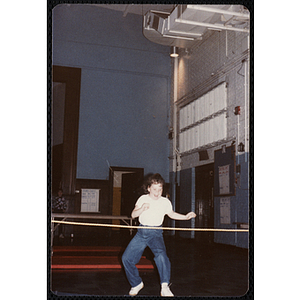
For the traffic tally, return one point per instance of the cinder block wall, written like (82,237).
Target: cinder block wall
(220,56)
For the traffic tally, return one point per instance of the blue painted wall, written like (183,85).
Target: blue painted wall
(239,205)
(125,87)
(239,210)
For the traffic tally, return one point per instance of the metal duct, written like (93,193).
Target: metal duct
(186,24)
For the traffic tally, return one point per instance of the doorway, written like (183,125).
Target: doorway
(205,201)
(66,83)
(125,189)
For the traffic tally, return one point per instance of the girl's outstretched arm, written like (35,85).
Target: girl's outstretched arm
(176,216)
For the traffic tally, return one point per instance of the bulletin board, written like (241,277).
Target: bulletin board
(90,200)
(224,171)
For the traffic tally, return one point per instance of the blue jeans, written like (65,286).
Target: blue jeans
(153,238)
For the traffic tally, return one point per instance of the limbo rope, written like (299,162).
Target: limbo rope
(149,227)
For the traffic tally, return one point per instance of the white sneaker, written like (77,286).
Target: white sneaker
(135,290)
(165,290)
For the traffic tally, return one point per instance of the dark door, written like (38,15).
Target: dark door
(66,161)
(205,201)
(129,192)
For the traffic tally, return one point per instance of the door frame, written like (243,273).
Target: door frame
(111,179)
(72,78)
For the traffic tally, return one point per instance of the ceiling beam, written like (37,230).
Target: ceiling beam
(126,10)
(219,11)
(188,22)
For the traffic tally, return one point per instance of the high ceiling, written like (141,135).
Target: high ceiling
(138,9)
(183,25)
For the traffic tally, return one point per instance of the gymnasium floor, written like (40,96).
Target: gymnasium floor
(92,266)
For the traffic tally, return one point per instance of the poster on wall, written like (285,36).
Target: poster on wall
(225,210)
(90,200)
(224,183)
(224,170)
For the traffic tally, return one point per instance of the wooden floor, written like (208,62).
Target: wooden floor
(92,258)
(93,267)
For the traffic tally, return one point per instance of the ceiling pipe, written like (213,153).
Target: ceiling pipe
(188,22)
(219,11)
(178,37)
(187,33)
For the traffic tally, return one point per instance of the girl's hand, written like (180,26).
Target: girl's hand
(139,210)
(145,206)
(190,215)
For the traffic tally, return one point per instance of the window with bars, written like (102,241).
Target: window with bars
(203,121)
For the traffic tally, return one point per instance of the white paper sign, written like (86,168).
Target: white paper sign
(225,210)
(89,200)
(224,180)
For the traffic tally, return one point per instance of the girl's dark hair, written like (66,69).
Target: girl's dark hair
(153,179)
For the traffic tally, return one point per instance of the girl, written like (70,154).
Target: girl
(151,209)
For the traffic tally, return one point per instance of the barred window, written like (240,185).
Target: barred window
(203,121)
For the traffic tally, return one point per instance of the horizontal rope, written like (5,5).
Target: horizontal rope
(149,227)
